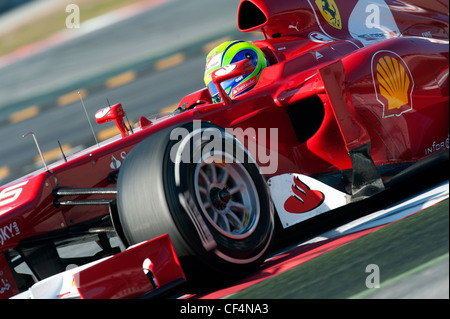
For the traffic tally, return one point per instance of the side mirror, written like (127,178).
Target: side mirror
(229,72)
(113,113)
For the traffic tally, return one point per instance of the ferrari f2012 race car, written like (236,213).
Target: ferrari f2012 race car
(353,96)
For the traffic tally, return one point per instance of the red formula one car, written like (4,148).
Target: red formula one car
(354,95)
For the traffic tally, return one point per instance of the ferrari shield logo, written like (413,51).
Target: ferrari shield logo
(330,13)
(393,83)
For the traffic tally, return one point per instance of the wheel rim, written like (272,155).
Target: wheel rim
(227,195)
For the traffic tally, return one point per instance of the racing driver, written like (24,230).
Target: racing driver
(231,52)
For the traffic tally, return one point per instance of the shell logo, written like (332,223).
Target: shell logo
(330,13)
(393,83)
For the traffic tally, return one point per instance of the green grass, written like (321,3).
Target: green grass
(46,24)
(396,249)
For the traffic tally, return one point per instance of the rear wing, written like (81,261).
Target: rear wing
(141,271)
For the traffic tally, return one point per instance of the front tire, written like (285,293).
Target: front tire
(199,185)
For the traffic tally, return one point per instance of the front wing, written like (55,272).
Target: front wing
(141,271)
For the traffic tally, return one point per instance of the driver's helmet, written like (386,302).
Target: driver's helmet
(231,52)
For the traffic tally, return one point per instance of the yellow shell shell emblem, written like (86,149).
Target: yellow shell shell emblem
(393,84)
(330,13)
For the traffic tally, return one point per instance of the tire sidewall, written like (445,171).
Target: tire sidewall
(180,196)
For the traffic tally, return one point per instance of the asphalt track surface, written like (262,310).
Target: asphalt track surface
(88,61)
(411,256)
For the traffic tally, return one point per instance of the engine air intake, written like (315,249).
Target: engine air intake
(250,16)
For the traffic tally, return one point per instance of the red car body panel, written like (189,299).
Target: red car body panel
(315,62)
(140,271)
(122,276)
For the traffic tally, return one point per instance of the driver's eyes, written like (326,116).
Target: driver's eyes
(216,98)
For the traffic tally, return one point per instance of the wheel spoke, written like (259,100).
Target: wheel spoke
(204,176)
(203,190)
(234,219)
(223,177)
(236,189)
(206,204)
(224,222)
(233,204)
(215,216)
(213,173)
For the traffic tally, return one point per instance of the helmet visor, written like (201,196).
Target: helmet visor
(227,85)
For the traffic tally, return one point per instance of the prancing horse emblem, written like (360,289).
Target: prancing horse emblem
(330,13)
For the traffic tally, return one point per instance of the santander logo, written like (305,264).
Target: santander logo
(303,199)
(238,89)
(299,197)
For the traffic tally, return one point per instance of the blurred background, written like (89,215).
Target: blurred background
(6,5)
(145,54)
